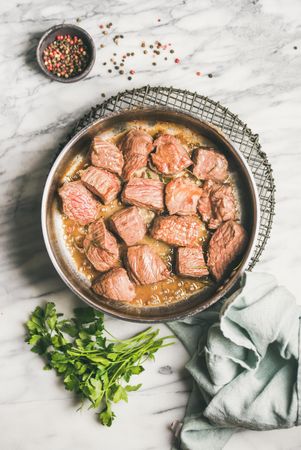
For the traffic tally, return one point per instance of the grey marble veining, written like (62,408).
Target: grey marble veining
(253,51)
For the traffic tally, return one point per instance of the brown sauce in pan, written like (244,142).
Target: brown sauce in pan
(168,291)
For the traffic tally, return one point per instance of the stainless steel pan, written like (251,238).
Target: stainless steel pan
(52,224)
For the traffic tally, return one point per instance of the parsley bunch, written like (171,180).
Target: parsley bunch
(91,365)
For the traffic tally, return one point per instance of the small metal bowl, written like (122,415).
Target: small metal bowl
(73,30)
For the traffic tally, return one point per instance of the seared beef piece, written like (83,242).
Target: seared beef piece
(144,192)
(217,203)
(226,244)
(101,247)
(204,204)
(145,265)
(106,155)
(129,224)
(170,157)
(181,231)
(115,285)
(209,164)
(99,258)
(136,142)
(190,262)
(104,184)
(78,203)
(132,164)
(181,196)
(147,215)
(136,146)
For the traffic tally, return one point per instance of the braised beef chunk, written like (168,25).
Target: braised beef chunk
(115,285)
(145,265)
(209,164)
(106,155)
(181,231)
(144,192)
(136,141)
(101,247)
(190,262)
(129,225)
(101,237)
(170,157)
(104,184)
(181,196)
(226,244)
(216,203)
(78,203)
(136,146)
(204,204)
(147,215)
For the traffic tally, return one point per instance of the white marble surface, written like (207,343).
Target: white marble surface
(248,46)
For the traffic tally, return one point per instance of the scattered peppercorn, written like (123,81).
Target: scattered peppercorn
(295,47)
(104,63)
(66,56)
(158,48)
(210,75)
(101,46)
(78,19)
(103,94)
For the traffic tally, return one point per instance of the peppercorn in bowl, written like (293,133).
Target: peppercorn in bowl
(66,53)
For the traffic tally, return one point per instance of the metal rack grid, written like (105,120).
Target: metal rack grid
(213,112)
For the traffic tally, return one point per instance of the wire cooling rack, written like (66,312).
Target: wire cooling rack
(213,112)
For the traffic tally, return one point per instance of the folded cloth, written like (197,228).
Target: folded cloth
(245,364)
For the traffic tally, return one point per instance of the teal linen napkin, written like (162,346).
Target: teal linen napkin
(245,358)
